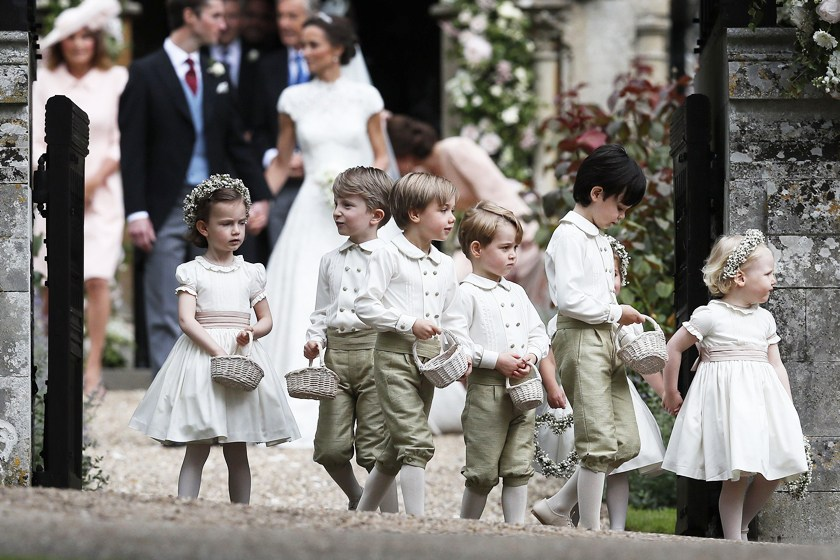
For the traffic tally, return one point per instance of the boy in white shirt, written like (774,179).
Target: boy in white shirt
(579,264)
(361,208)
(508,339)
(411,293)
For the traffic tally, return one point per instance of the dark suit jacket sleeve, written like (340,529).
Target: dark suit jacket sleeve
(272,77)
(133,119)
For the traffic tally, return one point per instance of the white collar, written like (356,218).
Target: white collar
(486,283)
(367,246)
(412,251)
(582,223)
(743,310)
(179,56)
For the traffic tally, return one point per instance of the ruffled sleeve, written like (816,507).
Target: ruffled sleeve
(772,335)
(256,286)
(373,101)
(186,276)
(700,323)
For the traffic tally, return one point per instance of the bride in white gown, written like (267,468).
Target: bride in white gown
(336,123)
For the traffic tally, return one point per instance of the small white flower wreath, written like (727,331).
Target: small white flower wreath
(208,187)
(752,239)
(623,257)
(549,467)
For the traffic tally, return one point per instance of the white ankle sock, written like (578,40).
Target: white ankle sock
(472,504)
(413,484)
(590,494)
(390,503)
(514,502)
(344,476)
(564,500)
(376,487)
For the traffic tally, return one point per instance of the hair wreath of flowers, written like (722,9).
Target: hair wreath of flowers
(620,252)
(752,239)
(206,188)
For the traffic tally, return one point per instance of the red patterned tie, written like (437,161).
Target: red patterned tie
(190,77)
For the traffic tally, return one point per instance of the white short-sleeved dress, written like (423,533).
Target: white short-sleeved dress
(737,417)
(183,404)
(651,449)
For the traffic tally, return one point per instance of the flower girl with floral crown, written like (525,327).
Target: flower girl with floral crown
(737,423)
(215,297)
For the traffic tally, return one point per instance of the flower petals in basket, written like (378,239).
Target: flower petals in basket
(645,354)
(528,394)
(318,383)
(237,371)
(448,366)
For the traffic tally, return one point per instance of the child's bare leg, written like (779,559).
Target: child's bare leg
(514,502)
(590,495)
(239,472)
(189,481)
(413,484)
(618,495)
(731,506)
(472,503)
(757,495)
(344,476)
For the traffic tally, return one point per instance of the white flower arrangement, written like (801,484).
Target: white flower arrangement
(549,467)
(752,239)
(253,55)
(623,257)
(817,25)
(207,187)
(327,178)
(798,488)
(216,68)
(492,90)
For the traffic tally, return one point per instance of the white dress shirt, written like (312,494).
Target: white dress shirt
(579,265)
(501,319)
(405,284)
(340,279)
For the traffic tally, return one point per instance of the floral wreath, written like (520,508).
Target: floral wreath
(549,467)
(623,257)
(752,239)
(206,188)
(798,488)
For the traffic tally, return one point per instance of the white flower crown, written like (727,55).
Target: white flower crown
(623,257)
(207,188)
(752,239)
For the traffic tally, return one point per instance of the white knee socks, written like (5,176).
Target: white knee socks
(413,484)
(514,502)
(618,496)
(757,495)
(239,472)
(563,501)
(472,504)
(590,493)
(189,481)
(344,476)
(731,506)
(389,503)
(376,487)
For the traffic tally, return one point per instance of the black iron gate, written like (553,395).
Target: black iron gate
(59,184)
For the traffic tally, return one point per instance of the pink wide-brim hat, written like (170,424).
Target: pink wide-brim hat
(91,14)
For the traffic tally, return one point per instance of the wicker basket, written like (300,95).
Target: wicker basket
(318,383)
(237,371)
(645,354)
(528,394)
(448,366)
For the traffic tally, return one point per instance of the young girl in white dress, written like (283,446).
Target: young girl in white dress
(738,421)
(651,450)
(215,297)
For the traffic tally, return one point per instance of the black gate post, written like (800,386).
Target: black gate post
(67,135)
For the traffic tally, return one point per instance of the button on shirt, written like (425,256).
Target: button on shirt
(579,265)
(501,319)
(405,284)
(340,279)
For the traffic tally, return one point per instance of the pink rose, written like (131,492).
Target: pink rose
(829,11)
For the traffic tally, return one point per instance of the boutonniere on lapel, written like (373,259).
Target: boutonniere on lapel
(253,55)
(216,69)
(222,87)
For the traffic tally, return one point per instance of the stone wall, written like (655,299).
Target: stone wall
(15,236)
(783,163)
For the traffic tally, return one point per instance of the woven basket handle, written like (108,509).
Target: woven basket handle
(533,368)
(320,357)
(618,330)
(250,343)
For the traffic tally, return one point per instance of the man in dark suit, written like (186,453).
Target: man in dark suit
(277,70)
(179,124)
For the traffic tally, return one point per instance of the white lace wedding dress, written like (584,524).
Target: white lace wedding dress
(331,127)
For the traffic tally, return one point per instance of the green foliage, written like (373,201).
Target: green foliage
(652,520)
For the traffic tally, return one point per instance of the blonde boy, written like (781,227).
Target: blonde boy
(411,293)
(508,339)
(354,418)
(579,265)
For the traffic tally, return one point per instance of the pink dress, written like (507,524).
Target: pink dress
(97,93)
